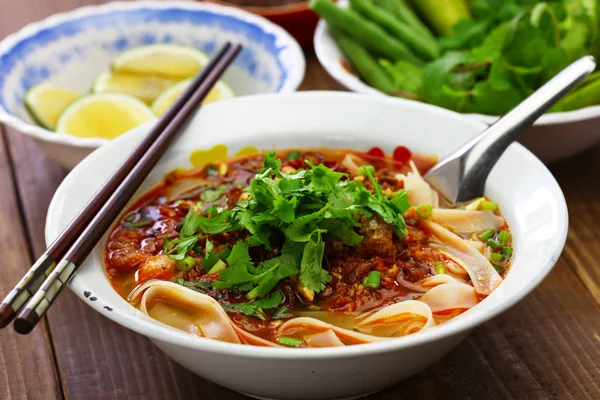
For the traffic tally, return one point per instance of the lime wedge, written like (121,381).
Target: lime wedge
(144,87)
(167,60)
(46,101)
(105,115)
(221,91)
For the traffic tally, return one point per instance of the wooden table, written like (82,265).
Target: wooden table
(546,347)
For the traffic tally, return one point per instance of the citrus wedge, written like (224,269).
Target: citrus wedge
(46,101)
(144,87)
(105,115)
(221,91)
(166,60)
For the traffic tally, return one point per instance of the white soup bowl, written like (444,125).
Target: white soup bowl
(527,193)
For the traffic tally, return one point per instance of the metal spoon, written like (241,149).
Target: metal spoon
(461,176)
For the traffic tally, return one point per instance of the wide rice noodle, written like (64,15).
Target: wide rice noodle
(483,275)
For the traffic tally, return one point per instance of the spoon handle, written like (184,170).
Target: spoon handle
(481,154)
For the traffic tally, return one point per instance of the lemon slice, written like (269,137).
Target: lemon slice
(105,115)
(144,87)
(46,101)
(221,91)
(167,60)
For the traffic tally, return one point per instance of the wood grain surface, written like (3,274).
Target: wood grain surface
(546,347)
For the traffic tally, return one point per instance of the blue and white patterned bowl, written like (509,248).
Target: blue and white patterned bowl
(71,49)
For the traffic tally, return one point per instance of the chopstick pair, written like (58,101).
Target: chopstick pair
(45,280)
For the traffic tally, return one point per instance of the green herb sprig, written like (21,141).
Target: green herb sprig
(303,207)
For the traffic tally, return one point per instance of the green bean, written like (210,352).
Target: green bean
(366,66)
(367,33)
(588,95)
(404,13)
(426,48)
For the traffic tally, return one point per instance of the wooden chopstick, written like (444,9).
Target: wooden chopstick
(34,278)
(81,239)
(36,275)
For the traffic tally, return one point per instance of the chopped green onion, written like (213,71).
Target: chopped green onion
(186,264)
(290,341)
(503,237)
(218,267)
(210,259)
(293,155)
(139,224)
(373,280)
(486,235)
(197,249)
(488,205)
(496,257)
(281,313)
(211,170)
(365,170)
(424,211)
(492,243)
(130,217)
(498,268)
(507,251)
(440,267)
(223,254)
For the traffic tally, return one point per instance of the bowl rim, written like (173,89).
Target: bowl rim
(354,84)
(291,84)
(172,336)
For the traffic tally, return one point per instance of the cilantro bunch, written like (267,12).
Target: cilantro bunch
(504,53)
(475,56)
(300,210)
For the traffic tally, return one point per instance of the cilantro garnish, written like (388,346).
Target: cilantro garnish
(195,285)
(177,249)
(305,208)
(260,280)
(256,307)
(211,195)
(282,313)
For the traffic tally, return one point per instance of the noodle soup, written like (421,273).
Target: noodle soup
(307,248)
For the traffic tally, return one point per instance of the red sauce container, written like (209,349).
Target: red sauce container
(295,18)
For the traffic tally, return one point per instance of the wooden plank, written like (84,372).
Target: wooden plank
(27,368)
(578,177)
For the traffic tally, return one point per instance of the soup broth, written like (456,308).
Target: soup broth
(307,248)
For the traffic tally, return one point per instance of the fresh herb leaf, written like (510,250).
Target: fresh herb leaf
(271,162)
(323,178)
(205,284)
(223,254)
(181,249)
(282,313)
(312,275)
(255,307)
(210,259)
(212,195)
(284,209)
(238,270)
